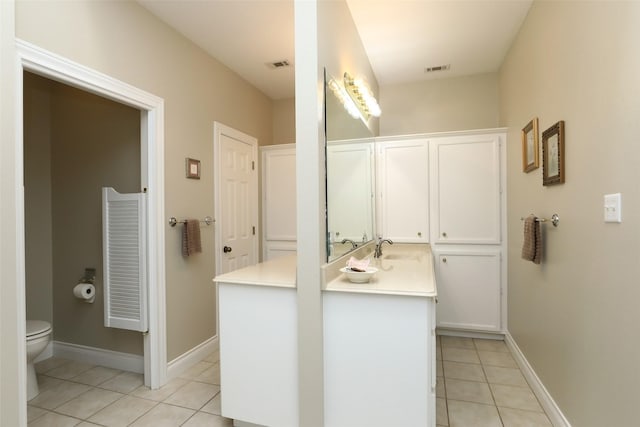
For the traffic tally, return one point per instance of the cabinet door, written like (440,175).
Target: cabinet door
(274,249)
(465,189)
(278,196)
(468,285)
(374,343)
(403,180)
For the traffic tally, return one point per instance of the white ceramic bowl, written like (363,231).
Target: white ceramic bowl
(359,276)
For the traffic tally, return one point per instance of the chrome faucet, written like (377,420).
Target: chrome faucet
(353,244)
(378,251)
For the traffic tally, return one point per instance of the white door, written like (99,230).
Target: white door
(236,202)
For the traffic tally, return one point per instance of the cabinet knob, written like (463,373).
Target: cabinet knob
(444,234)
(444,260)
(419,233)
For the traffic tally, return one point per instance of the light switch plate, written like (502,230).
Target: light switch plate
(613,207)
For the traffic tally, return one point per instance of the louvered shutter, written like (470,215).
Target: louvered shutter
(124,255)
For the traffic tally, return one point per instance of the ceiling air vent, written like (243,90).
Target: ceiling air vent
(438,68)
(279,64)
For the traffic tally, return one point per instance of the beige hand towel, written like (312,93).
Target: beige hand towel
(191,237)
(532,246)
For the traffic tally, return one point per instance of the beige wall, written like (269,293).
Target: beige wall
(440,105)
(284,121)
(75,144)
(576,316)
(37,198)
(123,40)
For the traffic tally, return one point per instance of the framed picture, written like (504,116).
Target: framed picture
(553,155)
(193,168)
(530,147)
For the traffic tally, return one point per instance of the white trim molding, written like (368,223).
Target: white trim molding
(188,359)
(50,65)
(550,407)
(98,356)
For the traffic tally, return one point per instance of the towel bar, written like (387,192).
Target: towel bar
(555,219)
(173,221)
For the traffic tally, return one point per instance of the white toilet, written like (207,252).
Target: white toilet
(38,336)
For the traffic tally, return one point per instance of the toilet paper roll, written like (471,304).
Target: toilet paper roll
(85,292)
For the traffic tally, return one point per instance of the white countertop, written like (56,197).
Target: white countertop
(279,272)
(403,269)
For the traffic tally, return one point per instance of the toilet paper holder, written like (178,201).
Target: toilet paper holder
(89,276)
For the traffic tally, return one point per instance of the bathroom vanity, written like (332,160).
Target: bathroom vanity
(257,318)
(379,342)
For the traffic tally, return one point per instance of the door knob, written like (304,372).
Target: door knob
(226,249)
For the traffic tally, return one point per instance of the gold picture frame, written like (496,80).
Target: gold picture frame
(553,155)
(530,146)
(192,168)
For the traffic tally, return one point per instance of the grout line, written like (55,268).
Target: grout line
(126,394)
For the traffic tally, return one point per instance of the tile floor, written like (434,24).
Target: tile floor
(479,384)
(79,394)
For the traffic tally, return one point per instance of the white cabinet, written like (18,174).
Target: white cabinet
(403,190)
(469,283)
(278,200)
(465,189)
(379,360)
(446,189)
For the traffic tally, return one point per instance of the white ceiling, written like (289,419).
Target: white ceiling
(401,37)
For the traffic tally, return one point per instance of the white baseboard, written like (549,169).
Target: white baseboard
(552,410)
(97,356)
(470,334)
(186,360)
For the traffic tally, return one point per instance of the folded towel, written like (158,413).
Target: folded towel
(191,237)
(354,263)
(532,246)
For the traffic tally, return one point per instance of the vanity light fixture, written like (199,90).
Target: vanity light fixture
(344,98)
(362,96)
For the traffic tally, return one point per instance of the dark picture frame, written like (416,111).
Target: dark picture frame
(553,169)
(192,168)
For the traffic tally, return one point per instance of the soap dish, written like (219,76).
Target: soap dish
(359,276)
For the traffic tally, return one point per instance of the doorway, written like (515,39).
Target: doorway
(75,143)
(45,64)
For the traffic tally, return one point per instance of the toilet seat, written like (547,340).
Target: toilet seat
(37,329)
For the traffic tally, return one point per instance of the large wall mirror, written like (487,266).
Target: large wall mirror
(350,178)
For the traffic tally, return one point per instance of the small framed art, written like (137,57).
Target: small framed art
(553,155)
(530,146)
(193,168)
